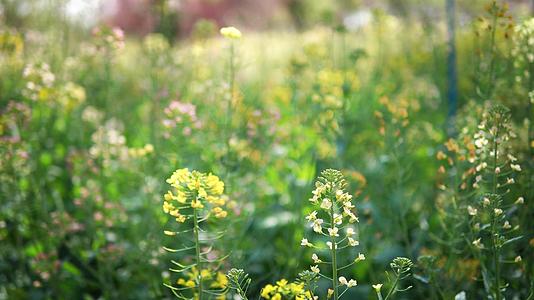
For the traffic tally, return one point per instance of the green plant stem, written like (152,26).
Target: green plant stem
(334,256)
(197,250)
(495,247)
(393,288)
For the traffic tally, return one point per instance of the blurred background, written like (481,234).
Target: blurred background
(100,101)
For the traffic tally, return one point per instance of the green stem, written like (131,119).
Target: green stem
(495,247)
(334,258)
(197,250)
(393,288)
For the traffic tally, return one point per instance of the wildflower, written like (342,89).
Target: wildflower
(326,204)
(510,181)
(360,257)
(520,200)
(231,33)
(477,243)
(497,211)
(342,280)
(333,231)
(515,167)
(338,219)
(169,233)
(518,259)
(350,231)
(497,170)
(486,201)
(506,225)
(353,242)
(352,283)
(316,259)
(472,211)
(317,225)
(512,158)
(312,216)
(377,287)
(330,293)
(305,243)
(315,269)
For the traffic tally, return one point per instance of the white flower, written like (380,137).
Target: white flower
(316,259)
(497,211)
(350,231)
(497,170)
(471,211)
(305,242)
(353,242)
(317,225)
(315,269)
(477,243)
(486,201)
(518,259)
(326,204)
(352,283)
(515,167)
(510,180)
(312,216)
(377,287)
(333,231)
(512,158)
(360,257)
(338,219)
(506,225)
(520,200)
(342,280)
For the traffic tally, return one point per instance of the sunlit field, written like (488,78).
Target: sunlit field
(338,150)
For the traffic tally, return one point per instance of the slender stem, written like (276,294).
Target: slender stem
(496,252)
(197,249)
(334,258)
(393,288)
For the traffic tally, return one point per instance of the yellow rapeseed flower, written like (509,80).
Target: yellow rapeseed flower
(231,33)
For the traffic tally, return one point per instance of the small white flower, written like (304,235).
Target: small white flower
(342,280)
(511,158)
(353,242)
(315,269)
(486,201)
(377,287)
(360,257)
(350,231)
(497,211)
(352,283)
(316,259)
(471,211)
(520,200)
(477,243)
(326,204)
(497,170)
(312,216)
(506,225)
(338,219)
(518,259)
(305,243)
(317,225)
(515,167)
(510,180)
(333,231)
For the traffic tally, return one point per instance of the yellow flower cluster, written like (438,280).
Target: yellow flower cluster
(216,280)
(231,33)
(285,290)
(195,190)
